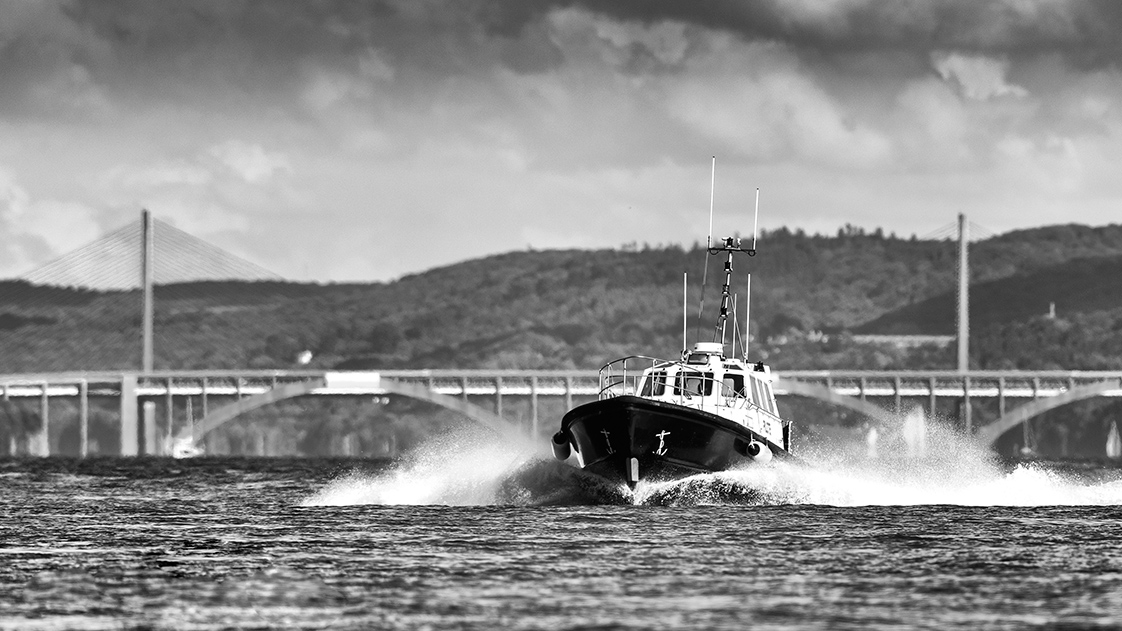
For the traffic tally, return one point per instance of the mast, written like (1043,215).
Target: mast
(728,245)
(722,319)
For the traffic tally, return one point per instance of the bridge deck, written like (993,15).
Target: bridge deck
(979,384)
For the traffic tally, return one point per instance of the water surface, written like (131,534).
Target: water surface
(482,541)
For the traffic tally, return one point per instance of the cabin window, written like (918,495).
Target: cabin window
(734,385)
(692,383)
(760,396)
(697,358)
(757,396)
(655,384)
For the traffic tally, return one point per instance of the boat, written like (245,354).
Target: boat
(185,449)
(659,419)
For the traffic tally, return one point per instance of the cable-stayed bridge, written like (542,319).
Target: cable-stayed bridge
(139,274)
(116,261)
(94,308)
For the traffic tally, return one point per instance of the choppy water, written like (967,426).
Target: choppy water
(493,539)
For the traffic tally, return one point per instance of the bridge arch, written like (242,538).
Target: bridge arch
(229,412)
(991,432)
(822,393)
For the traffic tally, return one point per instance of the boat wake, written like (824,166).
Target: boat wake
(473,470)
(887,484)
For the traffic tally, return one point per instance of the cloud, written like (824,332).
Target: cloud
(757,101)
(215,192)
(38,230)
(250,162)
(1052,165)
(564,122)
(1085,29)
(139,178)
(979,77)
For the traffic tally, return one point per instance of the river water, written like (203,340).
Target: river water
(477,537)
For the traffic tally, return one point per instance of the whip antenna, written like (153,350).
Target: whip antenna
(708,249)
(755,221)
(747,317)
(735,325)
(685,293)
(712,189)
(748,296)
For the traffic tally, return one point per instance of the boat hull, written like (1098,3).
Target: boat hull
(630,438)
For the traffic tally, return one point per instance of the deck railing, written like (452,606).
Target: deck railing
(624,376)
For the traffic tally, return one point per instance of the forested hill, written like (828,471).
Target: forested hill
(1079,286)
(570,308)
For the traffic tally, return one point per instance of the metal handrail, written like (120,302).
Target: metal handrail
(726,397)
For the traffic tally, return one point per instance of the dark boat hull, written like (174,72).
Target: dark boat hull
(629,438)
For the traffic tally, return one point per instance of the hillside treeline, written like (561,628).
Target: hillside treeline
(580,308)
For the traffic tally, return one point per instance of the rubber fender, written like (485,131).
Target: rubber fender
(759,452)
(561,448)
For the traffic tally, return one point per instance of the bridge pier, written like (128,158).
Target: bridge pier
(169,418)
(534,406)
(41,441)
(499,396)
(207,440)
(151,432)
(896,394)
(932,398)
(1000,396)
(13,446)
(130,438)
(967,418)
(83,418)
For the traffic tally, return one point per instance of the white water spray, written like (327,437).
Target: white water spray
(956,470)
(459,468)
(474,469)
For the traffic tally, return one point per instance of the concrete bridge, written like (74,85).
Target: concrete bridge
(479,395)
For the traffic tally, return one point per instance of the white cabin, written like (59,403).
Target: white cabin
(707,380)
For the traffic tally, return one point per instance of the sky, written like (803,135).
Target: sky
(361,141)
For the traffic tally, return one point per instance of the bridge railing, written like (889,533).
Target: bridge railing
(1003,384)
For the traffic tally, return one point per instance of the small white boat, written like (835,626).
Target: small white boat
(185,448)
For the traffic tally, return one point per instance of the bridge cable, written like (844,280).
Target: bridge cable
(80,311)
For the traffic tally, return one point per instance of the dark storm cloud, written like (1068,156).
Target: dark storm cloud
(432,36)
(259,41)
(227,114)
(1087,31)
